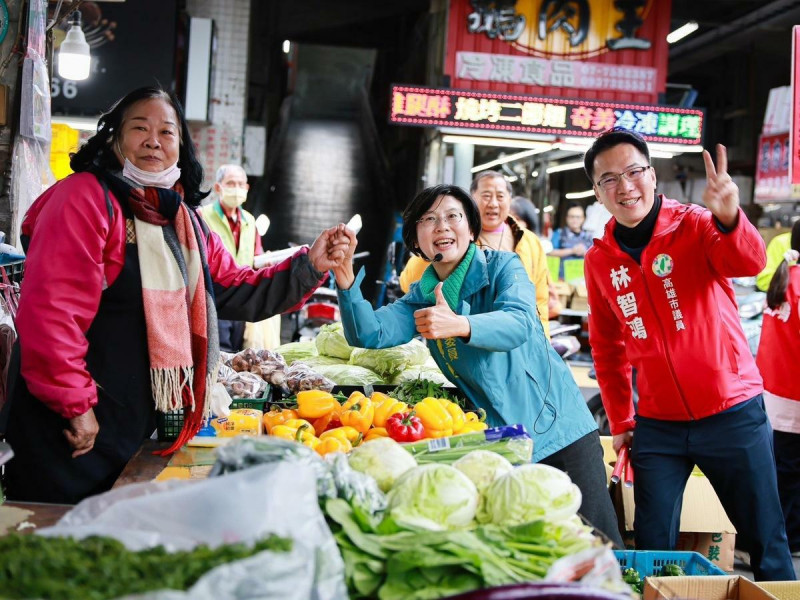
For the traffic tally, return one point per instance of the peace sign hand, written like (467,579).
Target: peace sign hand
(721,195)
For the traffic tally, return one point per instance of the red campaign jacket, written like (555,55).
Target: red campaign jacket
(77,250)
(674,318)
(779,346)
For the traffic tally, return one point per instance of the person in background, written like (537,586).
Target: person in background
(597,216)
(571,241)
(776,248)
(778,350)
(118,314)
(472,305)
(237,229)
(499,231)
(524,213)
(661,301)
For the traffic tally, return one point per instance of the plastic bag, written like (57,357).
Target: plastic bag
(300,377)
(389,362)
(245,385)
(275,498)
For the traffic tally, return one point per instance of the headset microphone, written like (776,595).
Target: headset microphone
(438,257)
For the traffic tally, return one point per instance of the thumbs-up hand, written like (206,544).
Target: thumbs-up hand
(439,321)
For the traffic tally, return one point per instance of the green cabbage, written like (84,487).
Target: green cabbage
(390,362)
(422,372)
(528,493)
(483,467)
(330,341)
(295,351)
(344,374)
(318,361)
(383,459)
(434,496)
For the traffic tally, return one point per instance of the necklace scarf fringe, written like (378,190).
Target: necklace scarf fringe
(179,309)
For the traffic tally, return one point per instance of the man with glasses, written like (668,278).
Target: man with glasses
(661,301)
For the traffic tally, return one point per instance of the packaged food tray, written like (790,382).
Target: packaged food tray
(169,425)
(649,562)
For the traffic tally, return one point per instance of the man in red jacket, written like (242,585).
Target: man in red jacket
(661,302)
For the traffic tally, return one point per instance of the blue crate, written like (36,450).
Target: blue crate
(649,562)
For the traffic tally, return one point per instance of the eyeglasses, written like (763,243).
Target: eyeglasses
(633,174)
(452,219)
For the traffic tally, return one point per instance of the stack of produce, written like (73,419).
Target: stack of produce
(328,423)
(333,357)
(430,531)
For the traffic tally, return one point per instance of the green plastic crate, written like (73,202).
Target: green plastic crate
(169,425)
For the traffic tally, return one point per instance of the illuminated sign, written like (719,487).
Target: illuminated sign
(432,107)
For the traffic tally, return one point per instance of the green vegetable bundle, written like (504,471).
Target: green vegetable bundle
(96,568)
(392,564)
(517,449)
(389,362)
(416,390)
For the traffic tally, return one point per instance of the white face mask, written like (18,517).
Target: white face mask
(233,197)
(161,179)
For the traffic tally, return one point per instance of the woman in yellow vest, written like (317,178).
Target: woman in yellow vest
(499,231)
(237,229)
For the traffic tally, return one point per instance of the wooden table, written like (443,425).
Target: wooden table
(144,465)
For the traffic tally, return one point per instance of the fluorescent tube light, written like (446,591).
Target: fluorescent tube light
(682,31)
(577,195)
(565,167)
(509,158)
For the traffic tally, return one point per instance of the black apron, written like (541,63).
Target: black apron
(43,469)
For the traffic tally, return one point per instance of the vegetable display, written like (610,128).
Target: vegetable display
(96,568)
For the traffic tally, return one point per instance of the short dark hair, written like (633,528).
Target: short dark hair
(489,173)
(98,152)
(422,203)
(572,205)
(609,139)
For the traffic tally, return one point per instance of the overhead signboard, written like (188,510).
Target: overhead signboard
(794,138)
(552,47)
(517,113)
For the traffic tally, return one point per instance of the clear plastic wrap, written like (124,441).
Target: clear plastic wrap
(301,377)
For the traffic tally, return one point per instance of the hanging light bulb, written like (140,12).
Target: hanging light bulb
(73,55)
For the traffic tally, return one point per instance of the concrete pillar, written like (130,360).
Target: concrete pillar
(464,155)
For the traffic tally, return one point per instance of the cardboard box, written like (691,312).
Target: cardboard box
(732,587)
(563,292)
(782,590)
(579,299)
(705,528)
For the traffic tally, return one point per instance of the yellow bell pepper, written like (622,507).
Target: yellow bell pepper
(435,418)
(313,404)
(348,434)
(455,412)
(471,426)
(357,412)
(296,430)
(385,407)
(376,432)
(333,444)
(277,416)
(473,417)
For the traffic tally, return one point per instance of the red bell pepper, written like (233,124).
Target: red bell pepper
(405,427)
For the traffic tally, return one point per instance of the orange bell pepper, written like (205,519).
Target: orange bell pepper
(358,412)
(277,416)
(313,404)
(326,422)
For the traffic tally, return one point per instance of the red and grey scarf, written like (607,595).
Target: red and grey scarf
(179,309)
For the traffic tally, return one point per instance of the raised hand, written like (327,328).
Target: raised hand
(721,195)
(343,272)
(329,249)
(439,321)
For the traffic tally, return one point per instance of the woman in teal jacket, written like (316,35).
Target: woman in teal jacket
(476,309)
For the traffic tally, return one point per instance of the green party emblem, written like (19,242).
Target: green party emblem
(662,265)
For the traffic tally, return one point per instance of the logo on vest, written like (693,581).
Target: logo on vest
(662,265)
